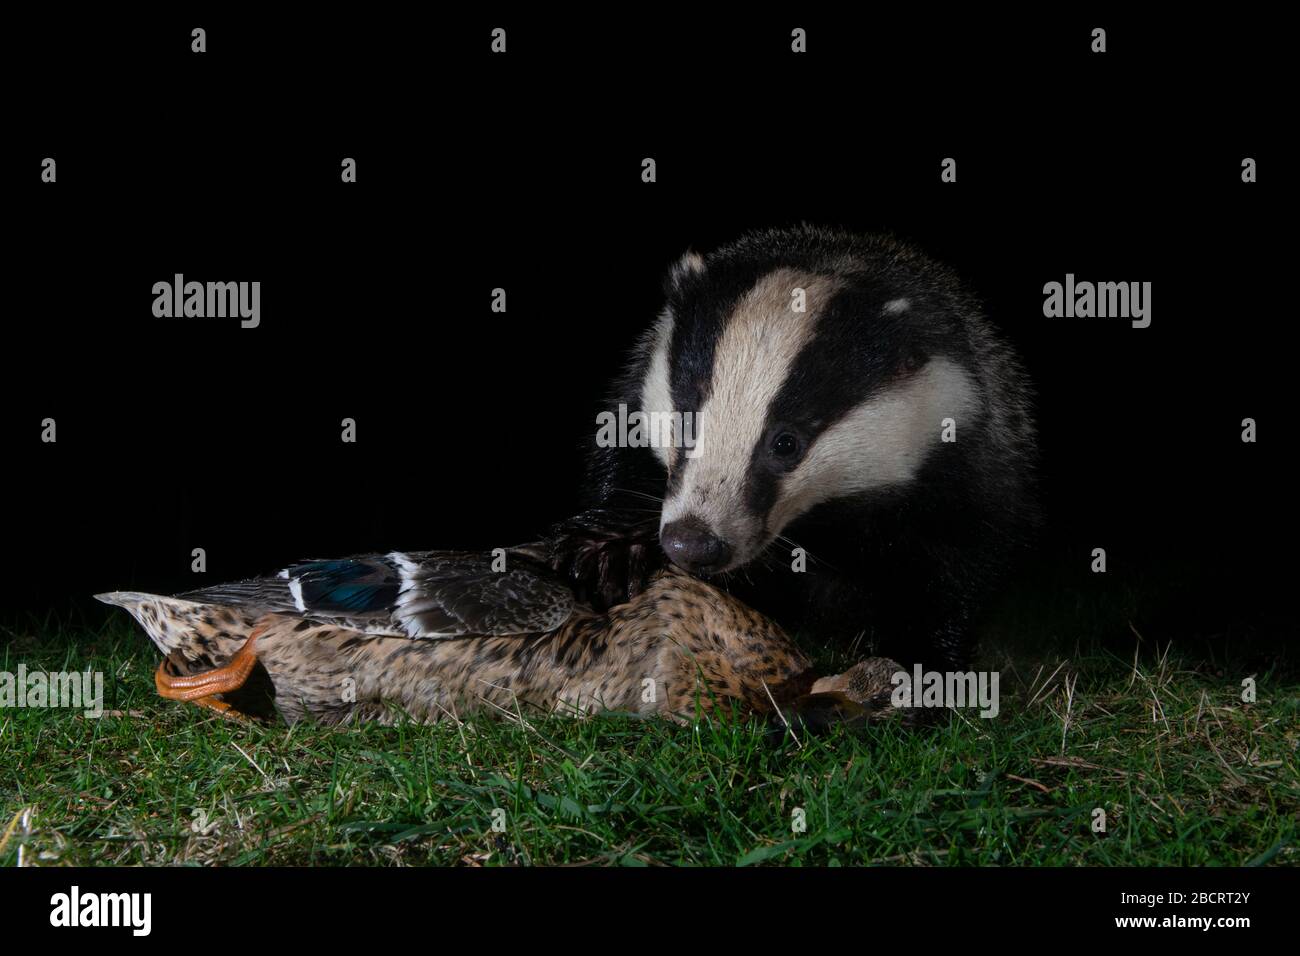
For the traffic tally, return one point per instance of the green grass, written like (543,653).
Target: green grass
(1186,773)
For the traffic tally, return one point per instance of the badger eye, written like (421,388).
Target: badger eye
(785,445)
(912,362)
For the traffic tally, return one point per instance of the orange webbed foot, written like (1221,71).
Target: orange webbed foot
(201,688)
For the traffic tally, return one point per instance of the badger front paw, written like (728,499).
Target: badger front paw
(605,562)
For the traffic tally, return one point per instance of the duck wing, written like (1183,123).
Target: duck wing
(415,594)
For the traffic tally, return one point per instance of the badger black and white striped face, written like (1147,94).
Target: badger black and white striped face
(795,408)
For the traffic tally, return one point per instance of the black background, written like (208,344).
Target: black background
(509,902)
(523,172)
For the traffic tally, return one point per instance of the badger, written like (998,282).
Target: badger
(863,460)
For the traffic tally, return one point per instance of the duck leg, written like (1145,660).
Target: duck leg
(201,688)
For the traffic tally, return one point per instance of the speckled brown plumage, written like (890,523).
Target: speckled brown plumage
(680,648)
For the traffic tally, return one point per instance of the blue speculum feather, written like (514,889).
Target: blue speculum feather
(346,585)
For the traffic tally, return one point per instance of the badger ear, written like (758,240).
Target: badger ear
(690,264)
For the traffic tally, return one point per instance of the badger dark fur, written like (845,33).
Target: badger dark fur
(821,429)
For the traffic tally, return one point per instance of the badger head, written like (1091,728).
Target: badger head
(811,372)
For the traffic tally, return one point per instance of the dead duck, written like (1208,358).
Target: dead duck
(440,634)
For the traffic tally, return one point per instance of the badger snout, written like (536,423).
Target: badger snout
(691,546)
